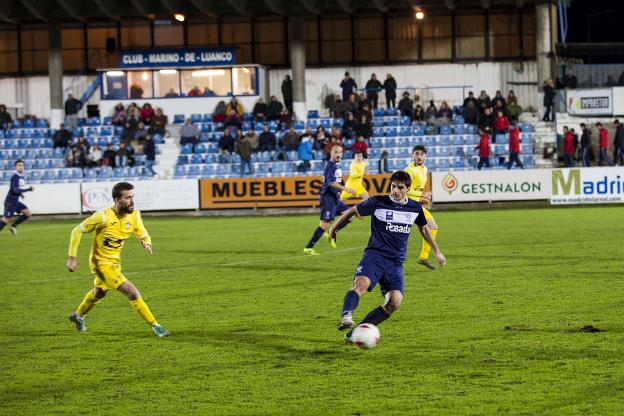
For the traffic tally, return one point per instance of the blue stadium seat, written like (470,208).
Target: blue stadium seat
(196,118)
(183,160)
(187,149)
(35,176)
(197,159)
(91,173)
(207,118)
(107,121)
(327,123)
(194,170)
(207,171)
(459,163)
(49,176)
(446,130)
(28,123)
(392,112)
(379,112)
(313,123)
(378,122)
(178,119)
(180,171)
(313,114)
(105,174)
(458,140)
(223,170)
(444,163)
(41,123)
(459,129)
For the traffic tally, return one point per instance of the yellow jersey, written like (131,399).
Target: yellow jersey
(356,173)
(110,233)
(419,180)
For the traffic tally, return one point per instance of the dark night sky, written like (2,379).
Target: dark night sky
(604,28)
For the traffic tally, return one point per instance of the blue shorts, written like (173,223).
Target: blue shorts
(379,269)
(13,208)
(331,206)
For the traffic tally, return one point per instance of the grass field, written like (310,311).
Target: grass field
(525,319)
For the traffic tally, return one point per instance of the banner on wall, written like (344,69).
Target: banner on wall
(587,185)
(152,195)
(591,102)
(146,58)
(54,198)
(491,185)
(294,191)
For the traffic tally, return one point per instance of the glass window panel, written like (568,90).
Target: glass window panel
(218,80)
(503,24)
(206,34)
(335,29)
(469,25)
(336,51)
(369,28)
(402,28)
(115,85)
(437,48)
(528,23)
(167,83)
(504,45)
(311,32)
(140,84)
(35,61)
(72,38)
(401,50)
(244,81)
(169,35)
(312,53)
(470,47)
(269,31)
(529,45)
(271,53)
(135,36)
(8,40)
(236,32)
(8,62)
(34,39)
(73,59)
(370,50)
(437,27)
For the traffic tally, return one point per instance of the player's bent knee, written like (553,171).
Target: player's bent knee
(128,289)
(393,302)
(99,292)
(361,284)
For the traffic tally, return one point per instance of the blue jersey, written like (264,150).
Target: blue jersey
(332,173)
(391,224)
(18,187)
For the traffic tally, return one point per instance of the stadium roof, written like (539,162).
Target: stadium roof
(44,11)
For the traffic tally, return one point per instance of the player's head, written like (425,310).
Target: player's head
(123,195)
(19,165)
(358,156)
(419,154)
(400,183)
(336,154)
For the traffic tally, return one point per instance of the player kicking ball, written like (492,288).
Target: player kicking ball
(330,202)
(112,227)
(382,263)
(357,170)
(12,204)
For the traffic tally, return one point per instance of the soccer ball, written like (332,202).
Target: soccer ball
(365,336)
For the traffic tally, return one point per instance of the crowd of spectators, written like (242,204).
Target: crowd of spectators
(575,151)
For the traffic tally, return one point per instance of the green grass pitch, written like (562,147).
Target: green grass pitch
(525,319)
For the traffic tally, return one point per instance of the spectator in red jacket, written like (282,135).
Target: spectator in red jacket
(501,124)
(361,146)
(568,147)
(604,145)
(514,146)
(484,150)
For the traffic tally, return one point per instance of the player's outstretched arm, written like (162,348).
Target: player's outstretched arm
(341,188)
(426,233)
(74,242)
(346,216)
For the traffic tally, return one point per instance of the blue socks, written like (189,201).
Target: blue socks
(318,233)
(2,224)
(375,317)
(351,301)
(19,220)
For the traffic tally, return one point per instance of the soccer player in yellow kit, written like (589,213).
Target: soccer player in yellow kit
(418,172)
(357,170)
(112,227)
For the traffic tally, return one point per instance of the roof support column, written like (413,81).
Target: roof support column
(298,65)
(55,69)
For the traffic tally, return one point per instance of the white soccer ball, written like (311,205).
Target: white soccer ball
(365,336)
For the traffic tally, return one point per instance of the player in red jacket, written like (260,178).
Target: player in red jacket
(514,146)
(568,147)
(484,149)
(604,145)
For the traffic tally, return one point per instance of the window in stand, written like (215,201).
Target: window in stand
(206,82)
(167,83)
(115,85)
(140,84)
(244,81)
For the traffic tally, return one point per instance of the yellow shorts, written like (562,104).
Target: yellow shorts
(427,214)
(107,276)
(359,190)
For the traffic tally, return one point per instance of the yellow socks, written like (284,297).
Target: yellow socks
(87,304)
(141,307)
(426,248)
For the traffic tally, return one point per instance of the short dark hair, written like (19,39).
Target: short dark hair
(18,161)
(599,124)
(582,125)
(357,152)
(419,147)
(402,177)
(120,187)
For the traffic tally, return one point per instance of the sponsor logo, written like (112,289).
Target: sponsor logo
(127,225)
(404,229)
(96,198)
(573,185)
(359,269)
(449,183)
(389,215)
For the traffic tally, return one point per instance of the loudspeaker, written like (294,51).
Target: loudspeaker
(111,45)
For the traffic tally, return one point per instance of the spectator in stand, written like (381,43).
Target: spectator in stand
(483,99)
(306,153)
(419,113)
(72,107)
(471,114)
(339,107)
(83,145)
(486,121)
(618,144)
(261,110)
(62,137)
(470,99)
(253,139)
(348,86)
(501,124)
(136,91)
(291,139)
(569,80)
(513,109)
(576,145)
(5,118)
(208,92)
(149,148)
(321,138)
(365,111)
(171,93)
(147,113)
(286,117)
(349,128)
(549,100)
(585,145)
(362,101)
(275,108)
(268,141)
(498,106)
(108,158)
(244,149)
(568,147)
(351,106)
(287,93)
(511,95)
(604,145)
(234,113)
(406,105)
(514,147)
(218,115)
(383,163)
(127,134)
(361,146)
(194,92)
(431,112)
(139,137)
(390,85)
(373,87)
(119,115)
(123,156)
(226,142)
(444,114)
(499,101)
(364,128)
(484,149)
(159,123)
(94,158)
(189,133)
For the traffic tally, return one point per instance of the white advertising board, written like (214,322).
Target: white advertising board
(587,185)
(591,102)
(151,195)
(491,185)
(54,198)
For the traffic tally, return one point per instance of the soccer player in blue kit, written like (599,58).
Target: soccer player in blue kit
(12,204)
(382,263)
(330,202)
